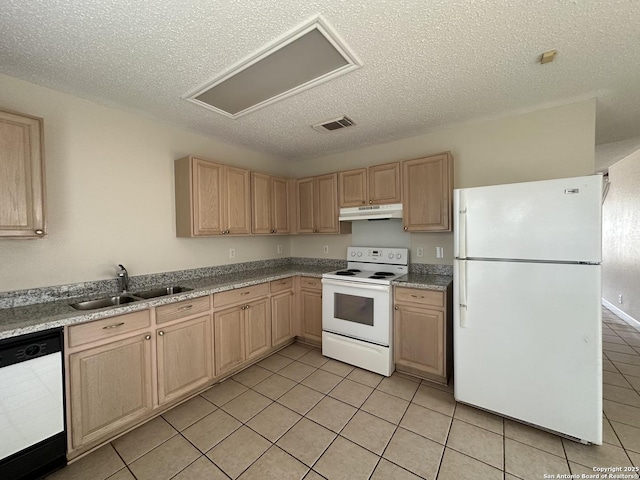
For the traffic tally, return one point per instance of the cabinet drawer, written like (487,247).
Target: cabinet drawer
(433,298)
(240,295)
(173,311)
(108,327)
(311,283)
(281,285)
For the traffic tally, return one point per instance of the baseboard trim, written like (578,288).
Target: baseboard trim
(621,314)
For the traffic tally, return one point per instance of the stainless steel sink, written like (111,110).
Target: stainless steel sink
(104,302)
(161,292)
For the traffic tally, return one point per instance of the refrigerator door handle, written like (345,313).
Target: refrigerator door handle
(462,225)
(462,298)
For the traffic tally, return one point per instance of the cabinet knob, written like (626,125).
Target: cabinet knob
(39,232)
(147,337)
(161,333)
(396,308)
(406,228)
(246,306)
(370,202)
(243,307)
(275,231)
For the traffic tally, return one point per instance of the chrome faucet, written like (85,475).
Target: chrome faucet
(123,279)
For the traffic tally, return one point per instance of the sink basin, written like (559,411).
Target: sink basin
(161,292)
(104,302)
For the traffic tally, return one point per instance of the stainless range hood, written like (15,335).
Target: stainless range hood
(371,212)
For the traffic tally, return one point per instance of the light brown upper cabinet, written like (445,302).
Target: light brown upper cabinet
(428,189)
(211,199)
(377,185)
(270,206)
(22,180)
(317,202)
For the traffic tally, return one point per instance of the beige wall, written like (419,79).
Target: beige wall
(110,195)
(621,231)
(552,143)
(110,185)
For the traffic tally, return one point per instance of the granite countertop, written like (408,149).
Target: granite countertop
(42,316)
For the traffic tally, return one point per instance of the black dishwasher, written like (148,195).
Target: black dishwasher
(32,411)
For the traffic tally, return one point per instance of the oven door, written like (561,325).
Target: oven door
(357,310)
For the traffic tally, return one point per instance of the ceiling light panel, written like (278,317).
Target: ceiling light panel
(309,55)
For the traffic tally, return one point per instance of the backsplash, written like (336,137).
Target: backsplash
(20,298)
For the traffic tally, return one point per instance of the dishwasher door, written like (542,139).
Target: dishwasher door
(32,419)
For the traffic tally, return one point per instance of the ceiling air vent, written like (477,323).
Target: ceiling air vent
(335,124)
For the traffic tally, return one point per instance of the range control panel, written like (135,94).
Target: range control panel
(396,256)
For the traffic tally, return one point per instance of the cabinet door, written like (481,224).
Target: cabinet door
(261,221)
(110,386)
(229,345)
(22,185)
(352,188)
(258,328)
(419,339)
(282,318)
(184,357)
(237,203)
(326,203)
(384,184)
(311,312)
(427,193)
(305,197)
(207,197)
(280,211)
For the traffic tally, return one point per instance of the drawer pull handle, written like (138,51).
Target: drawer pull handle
(245,293)
(186,307)
(115,325)
(283,283)
(417,296)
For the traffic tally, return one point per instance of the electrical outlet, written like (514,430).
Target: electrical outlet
(439,252)
(420,252)
(232,253)
(279,248)
(326,249)
(620,298)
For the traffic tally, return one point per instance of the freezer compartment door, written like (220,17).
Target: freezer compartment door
(554,220)
(528,345)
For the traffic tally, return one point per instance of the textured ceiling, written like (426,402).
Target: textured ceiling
(426,63)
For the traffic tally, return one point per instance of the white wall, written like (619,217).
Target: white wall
(621,231)
(110,195)
(552,143)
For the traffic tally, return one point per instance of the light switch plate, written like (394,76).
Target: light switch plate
(439,252)
(279,248)
(420,252)
(232,253)
(326,249)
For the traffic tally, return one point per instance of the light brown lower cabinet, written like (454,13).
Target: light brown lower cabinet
(422,333)
(185,357)
(241,333)
(282,318)
(110,386)
(311,309)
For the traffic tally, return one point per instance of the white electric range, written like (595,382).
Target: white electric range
(357,325)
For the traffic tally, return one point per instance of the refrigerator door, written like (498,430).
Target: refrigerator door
(552,220)
(528,345)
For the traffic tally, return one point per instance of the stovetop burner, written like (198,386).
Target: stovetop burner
(378,276)
(354,270)
(345,273)
(385,274)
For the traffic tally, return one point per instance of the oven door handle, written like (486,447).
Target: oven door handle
(363,286)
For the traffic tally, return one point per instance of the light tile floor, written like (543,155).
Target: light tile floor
(300,415)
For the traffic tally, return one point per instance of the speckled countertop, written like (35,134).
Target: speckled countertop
(42,316)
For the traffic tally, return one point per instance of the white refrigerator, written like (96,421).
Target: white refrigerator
(527,303)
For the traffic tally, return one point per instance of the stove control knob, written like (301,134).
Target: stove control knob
(391,255)
(398,255)
(353,254)
(359,254)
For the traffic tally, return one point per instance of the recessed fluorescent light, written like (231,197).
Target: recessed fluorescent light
(311,54)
